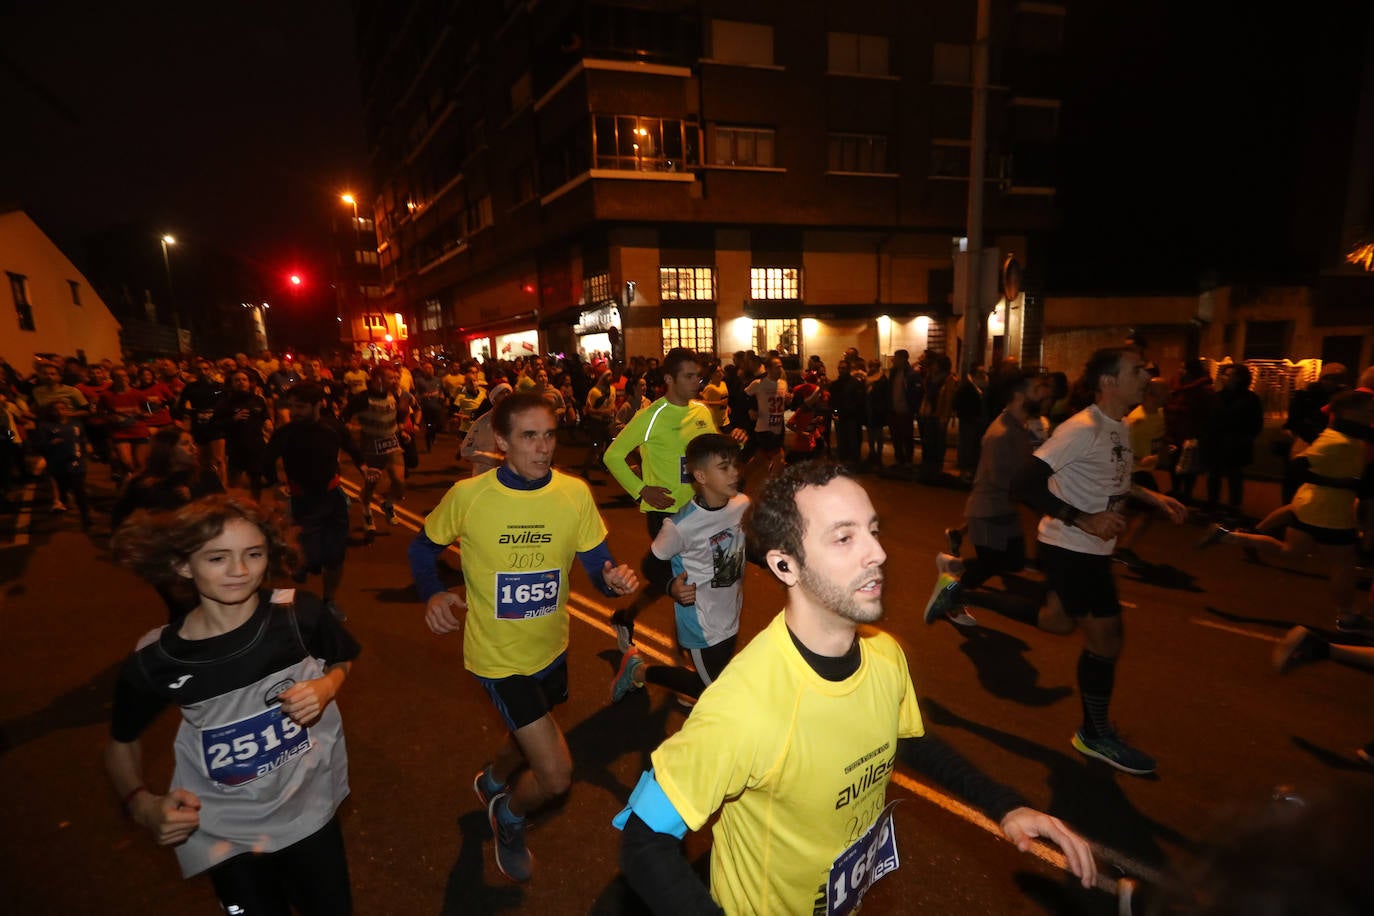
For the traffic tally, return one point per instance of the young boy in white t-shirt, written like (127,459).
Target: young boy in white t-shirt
(704,546)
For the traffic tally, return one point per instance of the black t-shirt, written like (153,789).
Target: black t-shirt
(309,452)
(243,415)
(200,401)
(169,670)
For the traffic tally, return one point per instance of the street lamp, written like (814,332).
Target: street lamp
(357,265)
(167,266)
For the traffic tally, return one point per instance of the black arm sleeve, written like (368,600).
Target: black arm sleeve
(135,707)
(656,870)
(948,768)
(1034,486)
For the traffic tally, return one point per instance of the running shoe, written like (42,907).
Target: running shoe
(1215,535)
(949,564)
(1129,559)
(1352,623)
(1297,646)
(336,611)
(1114,752)
(389,510)
(955,539)
(483,795)
(625,678)
(942,600)
(624,631)
(960,617)
(512,857)
(1366,753)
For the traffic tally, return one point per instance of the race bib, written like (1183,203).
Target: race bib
(242,751)
(527,595)
(861,865)
(385,445)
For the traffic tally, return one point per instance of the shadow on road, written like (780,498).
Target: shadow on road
(1334,760)
(83,705)
(1065,897)
(1003,669)
(1165,576)
(1083,793)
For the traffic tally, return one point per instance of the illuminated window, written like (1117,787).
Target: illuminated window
(597,288)
(774,283)
(433,319)
(781,334)
(375,321)
(23,308)
(696,334)
(678,283)
(366,257)
(863,153)
(862,54)
(640,144)
(742,146)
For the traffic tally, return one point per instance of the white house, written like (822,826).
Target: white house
(47,305)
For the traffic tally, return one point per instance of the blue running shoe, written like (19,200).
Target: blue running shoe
(1114,752)
(512,857)
(625,678)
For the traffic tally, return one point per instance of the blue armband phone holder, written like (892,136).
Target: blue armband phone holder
(653,808)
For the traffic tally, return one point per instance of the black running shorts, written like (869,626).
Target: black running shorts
(525,698)
(1083,581)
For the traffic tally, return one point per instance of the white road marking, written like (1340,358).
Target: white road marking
(1239,631)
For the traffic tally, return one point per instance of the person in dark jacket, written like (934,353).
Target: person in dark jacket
(848,401)
(971,407)
(1234,422)
(1307,417)
(1185,415)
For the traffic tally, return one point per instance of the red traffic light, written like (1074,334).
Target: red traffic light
(295,279)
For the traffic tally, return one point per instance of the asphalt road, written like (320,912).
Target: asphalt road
(1194,688)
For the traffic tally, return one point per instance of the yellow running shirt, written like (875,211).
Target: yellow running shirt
(661,432)
(1335,455)
(797,765)
(518,547)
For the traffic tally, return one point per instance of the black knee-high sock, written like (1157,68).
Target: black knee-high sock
(1096,676)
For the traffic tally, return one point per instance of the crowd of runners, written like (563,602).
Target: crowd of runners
(790,740)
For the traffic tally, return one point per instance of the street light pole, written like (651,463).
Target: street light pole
(171,299)
(357,270)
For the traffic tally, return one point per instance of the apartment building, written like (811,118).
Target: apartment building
(587,176)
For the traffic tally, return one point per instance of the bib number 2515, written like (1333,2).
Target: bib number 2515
(861,865)
(526,595)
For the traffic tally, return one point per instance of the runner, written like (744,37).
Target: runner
(1078,482)
(769,392)
(308,448)
(383,415)
(260,760)
(244,415)
(704,543)
(122,406)
(199,406)
(520,526)
(797,740)
(992,510)
(663,486)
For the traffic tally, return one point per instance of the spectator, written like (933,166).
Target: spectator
(1235,420)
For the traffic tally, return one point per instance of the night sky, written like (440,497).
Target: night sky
(1194,144)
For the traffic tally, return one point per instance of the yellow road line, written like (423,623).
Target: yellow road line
(1228,628)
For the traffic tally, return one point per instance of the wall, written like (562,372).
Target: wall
(60,326)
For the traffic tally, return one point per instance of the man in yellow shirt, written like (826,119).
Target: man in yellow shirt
(795,743)
(521,526)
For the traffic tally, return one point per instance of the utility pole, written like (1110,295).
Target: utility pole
(974,308)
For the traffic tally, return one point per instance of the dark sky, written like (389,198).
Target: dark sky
(1191,132)
(232,125)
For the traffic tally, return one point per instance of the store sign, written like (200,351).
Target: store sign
(598,320)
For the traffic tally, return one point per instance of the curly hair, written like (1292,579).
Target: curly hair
(154,544)
(773,521)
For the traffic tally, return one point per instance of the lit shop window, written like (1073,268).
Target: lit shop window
(683,283)
(774,283)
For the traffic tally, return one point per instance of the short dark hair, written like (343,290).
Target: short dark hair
(518,402)
(1351,401)
(708,446)
(304,393)
(1106,361)
(774,522)
(676,358)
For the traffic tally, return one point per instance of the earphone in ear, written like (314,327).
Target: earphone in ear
(782,566)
